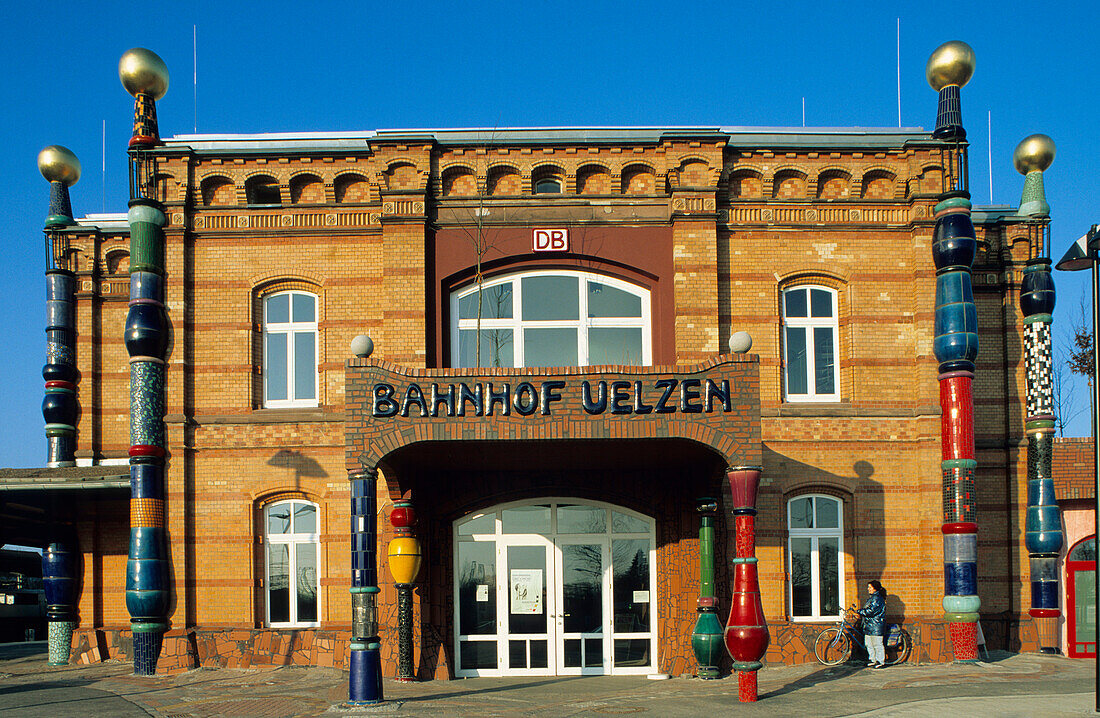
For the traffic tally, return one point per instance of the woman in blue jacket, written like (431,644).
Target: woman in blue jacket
(872,612)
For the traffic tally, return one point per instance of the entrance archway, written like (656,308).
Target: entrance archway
(1081,599)
(555,586)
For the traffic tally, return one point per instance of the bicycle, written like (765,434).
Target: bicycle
(834,644)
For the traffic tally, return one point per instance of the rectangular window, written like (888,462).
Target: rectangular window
(810,337)
(815,553)
(290,350)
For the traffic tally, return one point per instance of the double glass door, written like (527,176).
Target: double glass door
(554,602)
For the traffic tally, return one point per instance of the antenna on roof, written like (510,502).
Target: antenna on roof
(103,157)
(899,72)
(989,138)
(803,111)
(195,69)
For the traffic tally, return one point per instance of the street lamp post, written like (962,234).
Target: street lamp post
(1084,254)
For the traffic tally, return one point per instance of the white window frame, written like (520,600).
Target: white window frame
(810,324)
(291,540)
(289,329)
(516,324)
(815,534)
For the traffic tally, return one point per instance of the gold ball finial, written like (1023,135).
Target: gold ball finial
(59,164)
(142,71)
(952,63)
(1035,152)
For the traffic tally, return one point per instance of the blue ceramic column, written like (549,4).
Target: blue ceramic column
(60,406)
(144,76)
(365,661)
(956,347)
(1043,525)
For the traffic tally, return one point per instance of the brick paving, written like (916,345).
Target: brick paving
(1009,685)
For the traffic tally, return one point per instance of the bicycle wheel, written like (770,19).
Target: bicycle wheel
(832,646)
(900,653)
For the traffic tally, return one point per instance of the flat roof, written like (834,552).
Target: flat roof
(732,135)
(65,479)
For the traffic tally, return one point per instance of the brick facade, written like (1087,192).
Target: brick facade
(715,225)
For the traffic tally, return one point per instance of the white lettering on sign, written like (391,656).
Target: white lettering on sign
(550,240)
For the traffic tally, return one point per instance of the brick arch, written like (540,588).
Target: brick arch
(789,183)
(594,178)
(822,277)
(878,183)
(834,183)
(638,178)
(307,188)
(745,183)
(117,261)
(504,178)
(351,187)
(546,170)
(402,174)
(458,180)
(217,190)
(929,180)
(704,176)
(255,179)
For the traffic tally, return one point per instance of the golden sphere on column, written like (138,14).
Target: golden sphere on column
(142,71)
(59,164)
(952,63)
(1035,152)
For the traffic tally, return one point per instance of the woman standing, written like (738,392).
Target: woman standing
(872,613)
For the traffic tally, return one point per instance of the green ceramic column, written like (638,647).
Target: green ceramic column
(706,639)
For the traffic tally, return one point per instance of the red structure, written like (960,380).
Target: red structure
(747,630)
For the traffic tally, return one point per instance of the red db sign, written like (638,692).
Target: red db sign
(551,240)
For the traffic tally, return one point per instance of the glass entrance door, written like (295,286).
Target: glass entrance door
(555,587)
(529,608)
(584,620)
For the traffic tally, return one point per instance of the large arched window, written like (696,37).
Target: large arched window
(551,318)
(290,350)
(290,563)
(810,340)
(815,542)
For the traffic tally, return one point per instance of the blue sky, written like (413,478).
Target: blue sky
(358,66)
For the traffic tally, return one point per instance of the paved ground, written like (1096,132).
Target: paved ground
(1008,685)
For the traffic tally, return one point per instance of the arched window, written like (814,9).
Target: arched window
(551,318)
(815,543)
(290,350)
(290,563)
(548,185)
(810,340)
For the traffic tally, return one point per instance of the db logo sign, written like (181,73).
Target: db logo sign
(551,240)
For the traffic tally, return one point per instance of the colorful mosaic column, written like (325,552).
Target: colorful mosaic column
(60,406)
(404,557)
(144,76)
(956,347)
(746,634)
(1043,525)
(365,662)
(706,639)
